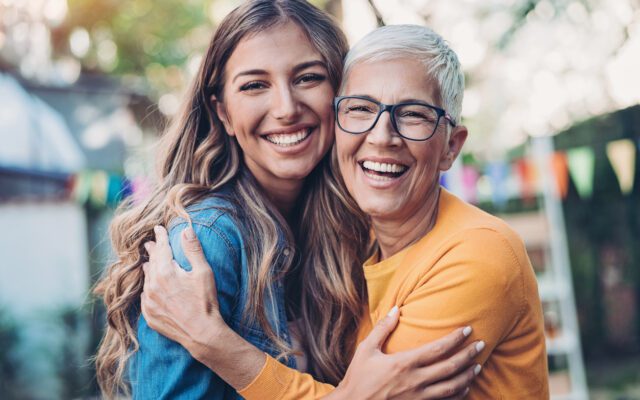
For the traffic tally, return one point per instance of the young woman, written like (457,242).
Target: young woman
(444,262)
(246,165)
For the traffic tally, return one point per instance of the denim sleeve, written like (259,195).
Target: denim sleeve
(162,368)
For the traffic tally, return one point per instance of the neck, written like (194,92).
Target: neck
(282,192)
(284,197)
(395,233)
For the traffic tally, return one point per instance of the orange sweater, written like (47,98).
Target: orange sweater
(470,269)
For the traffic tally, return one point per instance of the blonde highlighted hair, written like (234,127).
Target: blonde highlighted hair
(197,158)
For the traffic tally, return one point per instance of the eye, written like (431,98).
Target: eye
(417,114)
(310,78)
(360,108)
(255,85)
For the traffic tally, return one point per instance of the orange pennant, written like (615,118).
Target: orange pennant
(560,168)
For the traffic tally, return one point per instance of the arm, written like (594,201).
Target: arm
(163,368)
(371,374)
(483,278)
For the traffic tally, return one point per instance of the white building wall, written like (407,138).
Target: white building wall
(43,256)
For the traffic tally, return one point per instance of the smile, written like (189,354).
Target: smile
(289,139)
(383,171)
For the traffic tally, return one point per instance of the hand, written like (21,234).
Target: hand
(428,372)
(181,305)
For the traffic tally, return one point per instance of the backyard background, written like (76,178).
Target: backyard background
(86,87)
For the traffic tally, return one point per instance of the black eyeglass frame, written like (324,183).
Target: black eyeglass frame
(392,108)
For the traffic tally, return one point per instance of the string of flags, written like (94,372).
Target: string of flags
(498,181)
(100,189)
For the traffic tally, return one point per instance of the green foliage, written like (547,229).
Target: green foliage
(10,364)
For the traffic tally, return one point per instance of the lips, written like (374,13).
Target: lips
(290,138)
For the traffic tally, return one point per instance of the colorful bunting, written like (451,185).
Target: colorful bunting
(82,187)
(525,169)
(497,172)
(622,155)
(561,172)
(469,183)
(581,161)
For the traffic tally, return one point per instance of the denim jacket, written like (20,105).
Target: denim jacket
(162,368)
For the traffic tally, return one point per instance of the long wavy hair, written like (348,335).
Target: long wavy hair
(196,159)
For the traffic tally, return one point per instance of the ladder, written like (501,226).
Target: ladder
(555,283)
(544,234)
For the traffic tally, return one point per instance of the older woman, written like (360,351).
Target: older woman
(443,262)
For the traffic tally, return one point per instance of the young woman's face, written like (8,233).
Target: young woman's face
(277,104)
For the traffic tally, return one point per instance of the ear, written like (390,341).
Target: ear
(221,110)
(456,139)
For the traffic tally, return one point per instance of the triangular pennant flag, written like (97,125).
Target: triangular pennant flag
(469,180)
(99,188)
(444,180)
(497,172)
(581,162)
(526,172)
(561,172)
(114,189)
(82,187)
(622,155)
(141,188)
(484,189)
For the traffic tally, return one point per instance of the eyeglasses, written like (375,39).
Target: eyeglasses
(411,120)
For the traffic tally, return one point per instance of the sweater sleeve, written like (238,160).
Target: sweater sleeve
(477,281)
(279,382)
(483,279)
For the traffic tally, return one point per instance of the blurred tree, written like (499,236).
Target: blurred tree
(10,364)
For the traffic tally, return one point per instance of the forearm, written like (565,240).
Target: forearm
(226,353)
(249,370)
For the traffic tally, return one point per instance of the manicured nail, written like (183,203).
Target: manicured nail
(477,369)
(156,230)
(189,233)
(393,312)
(467,331)
(479,346)
(146,246)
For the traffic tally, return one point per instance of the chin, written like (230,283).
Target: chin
(377,210)
(296,172)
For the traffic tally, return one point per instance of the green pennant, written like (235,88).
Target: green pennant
(581,162)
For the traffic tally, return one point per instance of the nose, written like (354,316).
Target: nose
(285,105)
(383,134)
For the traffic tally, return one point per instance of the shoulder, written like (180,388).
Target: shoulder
(478,254)
(481,237)
(215,221)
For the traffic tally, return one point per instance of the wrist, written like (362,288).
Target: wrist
(206,335)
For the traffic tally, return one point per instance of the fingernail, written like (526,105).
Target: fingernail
(156,230)
(146,245)
(189,233)
(466,392)
(479,346)
(467,331)
(477,369)
(393,311)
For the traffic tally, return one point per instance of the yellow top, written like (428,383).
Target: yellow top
(470,269)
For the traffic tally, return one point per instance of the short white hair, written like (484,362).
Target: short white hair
(420,43)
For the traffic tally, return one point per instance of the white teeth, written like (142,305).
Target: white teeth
(384,167)
(379,177)
(289,139)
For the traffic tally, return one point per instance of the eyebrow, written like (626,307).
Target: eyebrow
(297,68)
(408,100)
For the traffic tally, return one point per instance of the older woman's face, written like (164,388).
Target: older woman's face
(366,158)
